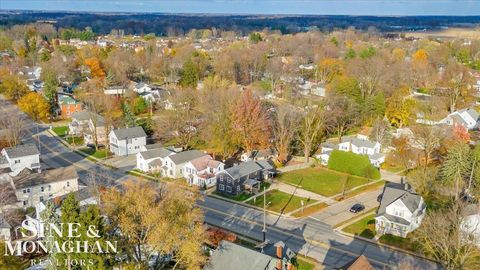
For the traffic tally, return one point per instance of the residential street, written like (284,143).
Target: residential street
(312,237)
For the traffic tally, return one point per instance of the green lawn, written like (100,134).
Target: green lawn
(403,243)
(75,140)
(321,180)
(102,153)
(304,265)
(60,131)
(280,202)
(365,227)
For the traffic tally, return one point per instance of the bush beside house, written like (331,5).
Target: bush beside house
(352,163)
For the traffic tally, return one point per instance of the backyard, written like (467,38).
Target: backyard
(322,180)
(280,202)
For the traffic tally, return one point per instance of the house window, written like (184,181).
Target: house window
(25,203)
(229,189)
(42,189)
(238,188)
(17,161)
(41,198)
(221,187)
(229,180)
(221,178)
(68,184)
(49,188)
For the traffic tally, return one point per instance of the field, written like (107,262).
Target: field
(321,180)
(471,33)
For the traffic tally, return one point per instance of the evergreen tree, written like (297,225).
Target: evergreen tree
(190,74)
(48,216)
(128,116)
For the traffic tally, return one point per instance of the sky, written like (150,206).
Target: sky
(305,7)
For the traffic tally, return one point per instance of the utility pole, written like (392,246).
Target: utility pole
(264,215)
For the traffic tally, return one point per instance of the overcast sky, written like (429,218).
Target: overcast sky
(317,7)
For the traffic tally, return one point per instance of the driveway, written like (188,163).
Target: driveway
(126,163)
(339,212)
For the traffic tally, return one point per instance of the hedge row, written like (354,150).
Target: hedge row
(352,163)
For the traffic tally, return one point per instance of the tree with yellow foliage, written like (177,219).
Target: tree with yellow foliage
(35,106)
(328,69)
(95,67)
(420,57)
(399,108)
(156,220)
(12,87)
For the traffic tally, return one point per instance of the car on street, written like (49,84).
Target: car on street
(358,207)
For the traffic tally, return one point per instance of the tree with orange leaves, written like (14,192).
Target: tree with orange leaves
(251,122)
(328,69)
(95,67)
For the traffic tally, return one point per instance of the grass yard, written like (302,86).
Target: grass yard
(75,140)
(102,153)
(304,265)
(239,198)
(281,202)
(403,243)
(365,227)
(309,210)
(60,131)
(322,180)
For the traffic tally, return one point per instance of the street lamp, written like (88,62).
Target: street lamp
(265,215)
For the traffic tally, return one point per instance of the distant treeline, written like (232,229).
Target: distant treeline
(178,24)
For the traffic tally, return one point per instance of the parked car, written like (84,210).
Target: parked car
(357,208)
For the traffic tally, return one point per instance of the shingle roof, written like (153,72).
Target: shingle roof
(358,142)
(186,156)
(243,169)
(156,153)
(204,162)
(395,191)
(266,164)
(86,115)
(360,263)
(133,132)
(235,257)
(153,146)
(22,151)
(45,177)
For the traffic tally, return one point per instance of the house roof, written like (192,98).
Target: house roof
(396,191)
(7,193)
(248,167)
(45,177)
(130,133)
(155,163)
(235,257)
(473,113)
(66,100)
(22,151)
(204,162)
(266,164)
(360,263)
(186,156)
(153,146)
(87,115)
(359,142)
(156,153)
(3,223)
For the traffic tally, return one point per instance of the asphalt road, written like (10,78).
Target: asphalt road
(308,237)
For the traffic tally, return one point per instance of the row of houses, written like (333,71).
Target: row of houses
(24,183)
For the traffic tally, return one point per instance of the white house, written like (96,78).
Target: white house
(83,196)
(31,189)
(466,117)
(19,158)
(361,146)
(151,161)
(5,229)
(115,90)
(202,171)
(401,210)
(127,141)
(141,88)
(174,165)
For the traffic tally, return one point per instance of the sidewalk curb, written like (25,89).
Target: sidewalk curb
(415,254)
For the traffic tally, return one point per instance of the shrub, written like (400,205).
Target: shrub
(352,163)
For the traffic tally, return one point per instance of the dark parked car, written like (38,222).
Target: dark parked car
(357,208)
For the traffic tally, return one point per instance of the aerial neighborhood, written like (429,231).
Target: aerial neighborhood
(220,148)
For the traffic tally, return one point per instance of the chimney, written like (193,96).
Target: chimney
(279,248)
(279,252)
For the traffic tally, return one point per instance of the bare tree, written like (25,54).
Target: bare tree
(427,139)
(443,236)
(342,115)
(285,129)
(456,85)
(312,128)
(13,126)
